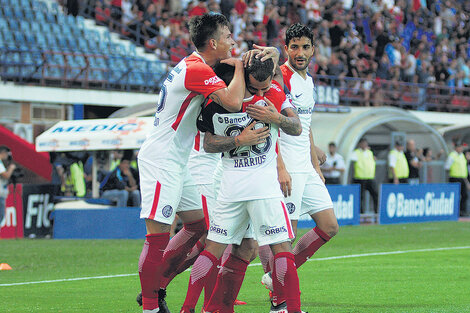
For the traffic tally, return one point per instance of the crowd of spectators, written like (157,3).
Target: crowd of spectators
(421,41)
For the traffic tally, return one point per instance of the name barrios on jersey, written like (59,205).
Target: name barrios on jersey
(304,111)
(251,161)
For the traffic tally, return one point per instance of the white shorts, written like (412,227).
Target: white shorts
(268,218)
(164,193)
(309,195)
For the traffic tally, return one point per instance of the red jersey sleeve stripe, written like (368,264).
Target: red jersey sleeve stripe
(183,109)
(197,141)
(286,216)
(156,197)
(287,75)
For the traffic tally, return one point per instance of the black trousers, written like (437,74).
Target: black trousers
(463,193)
(332,180)
(369,185)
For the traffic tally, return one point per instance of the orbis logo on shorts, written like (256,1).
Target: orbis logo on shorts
(272,230)
(218,230)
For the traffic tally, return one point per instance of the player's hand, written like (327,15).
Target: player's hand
(285,181)
(251,136)
(321,156)
(11,167)
(262,53)
(267,114)
(232,61)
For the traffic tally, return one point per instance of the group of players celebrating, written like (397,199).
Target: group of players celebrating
(227,133)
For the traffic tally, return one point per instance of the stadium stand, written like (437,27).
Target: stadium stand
(41,45)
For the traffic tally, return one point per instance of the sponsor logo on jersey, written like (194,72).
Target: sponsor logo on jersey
(212,81)
(247,162)
(218,230)
(400,206)
(232,120)
(290,207)
(272,230)
(167,210)
(304,111)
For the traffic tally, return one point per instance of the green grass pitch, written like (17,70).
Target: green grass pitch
(419,281)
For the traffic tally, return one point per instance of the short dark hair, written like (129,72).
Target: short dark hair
(332,144)
(225,72)
(4,148)
(260,70)
(362,140)
(204,27)
(298,31)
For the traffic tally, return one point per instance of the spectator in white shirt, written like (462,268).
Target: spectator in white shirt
(334,166)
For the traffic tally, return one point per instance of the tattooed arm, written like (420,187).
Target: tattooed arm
(248,137)
(287,120)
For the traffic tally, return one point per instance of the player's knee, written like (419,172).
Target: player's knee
(245,250)
(331,229)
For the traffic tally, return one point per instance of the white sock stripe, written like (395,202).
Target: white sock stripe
(254,264)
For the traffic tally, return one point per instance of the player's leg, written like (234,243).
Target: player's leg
(371,187)
(317,203)
(293,205)
(230,277)
(225,220)
(161,192)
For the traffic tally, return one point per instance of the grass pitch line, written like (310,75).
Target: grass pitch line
(349,256)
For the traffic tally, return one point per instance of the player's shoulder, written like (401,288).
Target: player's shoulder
(194,63)
(287,74)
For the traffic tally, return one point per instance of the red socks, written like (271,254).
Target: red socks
(228,285)
(285,279)
(202,269)
(266,257)
(150,262)
(309,244)
(180,245)
(190,259)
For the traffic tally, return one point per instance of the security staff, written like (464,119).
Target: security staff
(364,171)
(456,164)
(398,165)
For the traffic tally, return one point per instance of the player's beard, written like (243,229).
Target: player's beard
(302,66)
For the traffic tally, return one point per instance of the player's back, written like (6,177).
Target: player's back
(169,143)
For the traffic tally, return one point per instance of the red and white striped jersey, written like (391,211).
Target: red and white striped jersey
(170,141)
(295,150)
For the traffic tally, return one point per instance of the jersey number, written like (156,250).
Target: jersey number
(241,152)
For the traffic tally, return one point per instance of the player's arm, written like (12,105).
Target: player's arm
(314,157)
(248,137)
(287,119)
(231,98)
(321,155)
(283,176)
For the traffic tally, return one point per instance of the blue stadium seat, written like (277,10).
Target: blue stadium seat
(80,22)
(29,15)
(14,25)
(8,12)
(18,13)
(4,24)
(25,26)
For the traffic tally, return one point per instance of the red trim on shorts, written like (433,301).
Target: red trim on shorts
(156,197)
(183,108)
(289,225)
(205,210)
(197,141)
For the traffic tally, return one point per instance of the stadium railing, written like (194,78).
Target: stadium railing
(426,97)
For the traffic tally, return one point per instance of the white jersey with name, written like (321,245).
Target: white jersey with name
(295,150)
(249,173)
(169,143)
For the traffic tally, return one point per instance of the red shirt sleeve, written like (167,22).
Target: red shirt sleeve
(276,95)
(201,79)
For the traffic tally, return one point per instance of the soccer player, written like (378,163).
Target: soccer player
(248,192)
(309,194)
(166,185)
